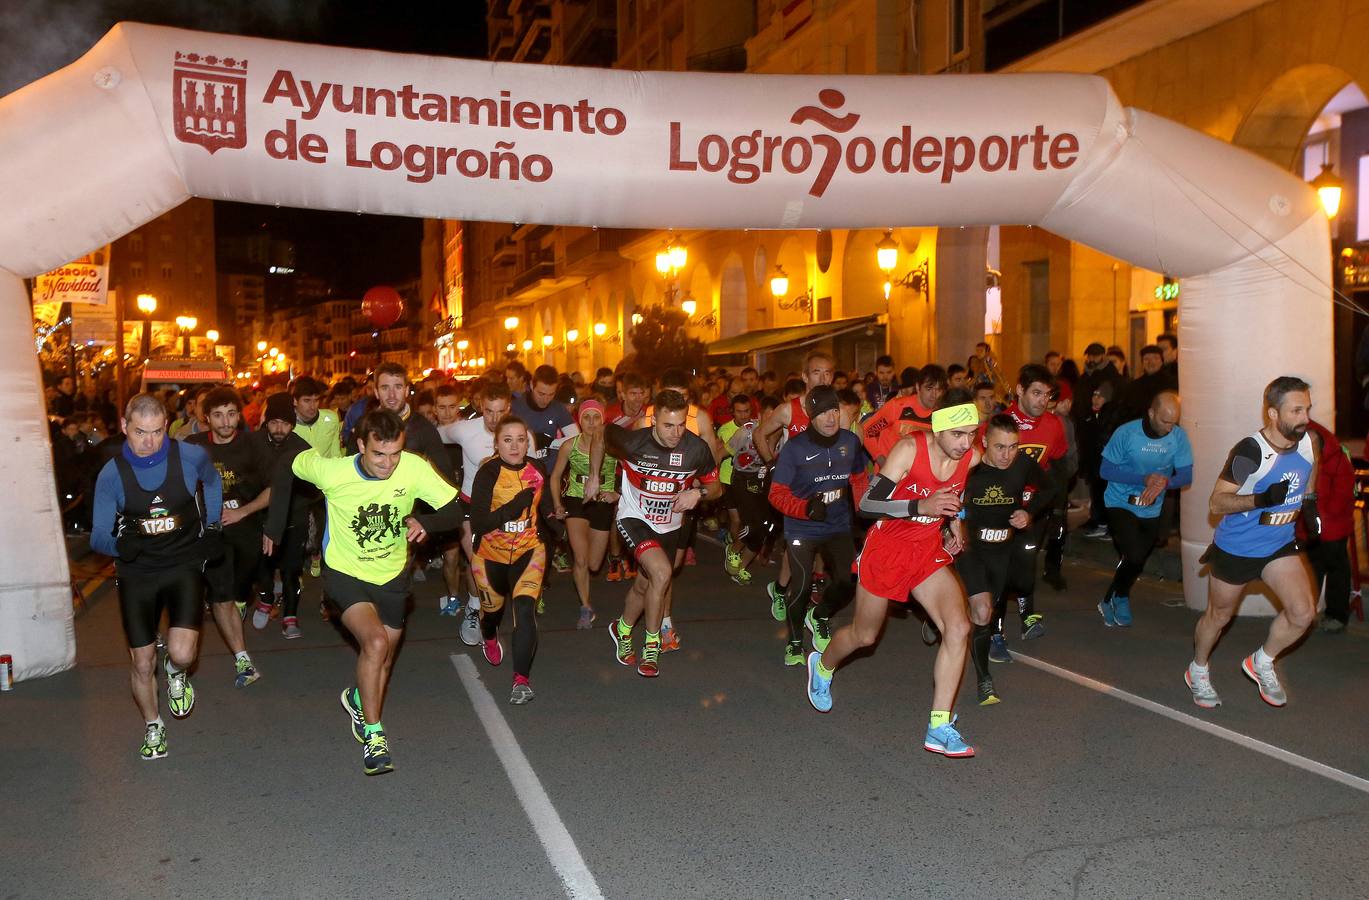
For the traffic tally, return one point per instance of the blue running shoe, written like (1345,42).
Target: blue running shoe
(947,741)
(1121,611)
(819,688)
(1109,615)
(998,650)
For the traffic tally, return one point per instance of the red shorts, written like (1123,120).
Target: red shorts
(892,565)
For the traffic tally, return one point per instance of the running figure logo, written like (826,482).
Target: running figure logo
(376,523)
(207,101)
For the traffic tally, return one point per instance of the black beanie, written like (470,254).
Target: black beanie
(821,399)
(279,406)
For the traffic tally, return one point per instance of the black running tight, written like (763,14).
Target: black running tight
(837,552)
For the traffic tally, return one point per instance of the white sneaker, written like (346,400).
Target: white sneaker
(470,627)
(261,616)
(1266,680)
(1200,683)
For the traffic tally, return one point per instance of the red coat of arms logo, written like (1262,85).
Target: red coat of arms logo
(208,101)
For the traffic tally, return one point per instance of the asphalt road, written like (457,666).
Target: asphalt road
(715,780)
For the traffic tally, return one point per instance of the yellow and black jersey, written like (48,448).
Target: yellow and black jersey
(504,516)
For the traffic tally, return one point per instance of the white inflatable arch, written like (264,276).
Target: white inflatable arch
(152,116)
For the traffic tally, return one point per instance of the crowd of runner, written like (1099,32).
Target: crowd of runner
(947,487)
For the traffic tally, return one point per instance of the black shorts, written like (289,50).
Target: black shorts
(597,513)
(233,577)
(1241,570)
(391,599)
(984,567)
(443,541)
(639,537)
(143,594)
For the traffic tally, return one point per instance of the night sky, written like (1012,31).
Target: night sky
(353,252)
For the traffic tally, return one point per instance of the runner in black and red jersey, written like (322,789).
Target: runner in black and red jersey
(788,420)
(1041,437)
(660,466)
(906,552)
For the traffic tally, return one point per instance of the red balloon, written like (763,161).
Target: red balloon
(383,306)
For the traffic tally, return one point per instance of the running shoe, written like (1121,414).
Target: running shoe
(998,650)
(690,558)
(1330,625)
(670,640)
(1121,611)
(615,570)
(1108,612)
(629,569)
(742,577)
(1200,683)
(818,587)
(289,628)
(180,695)
(777,607)
(419,576)
(987,695)
(261,615)
(622,644)
(315,567)
(586,620)
(646,666)
(494,653)
(470,627)
(351,702)
(541,604)
(1033,626)
(154,742)
(732,559)
(375,754)
(1097,533)
(819,687)
(444,605)
(1266,680)
(929,633)
(241,607)
(819,628)
(947,741)
(793,653)
(522,691)
(560,562)
(247,673)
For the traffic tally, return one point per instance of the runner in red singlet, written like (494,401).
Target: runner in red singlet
(907,552)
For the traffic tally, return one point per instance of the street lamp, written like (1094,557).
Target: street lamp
(213,337)
(147,305)
(670,259)
(572,336)
(261,346)
(1329,188)
(886,257)
(779,289)
(510,323)
(689,306)
(547,341)
(600,329)
(527,344)
(186,324)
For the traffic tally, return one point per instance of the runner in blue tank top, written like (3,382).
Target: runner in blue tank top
(1268,482)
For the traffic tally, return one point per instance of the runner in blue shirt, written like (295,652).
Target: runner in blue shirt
(1143,459)
(1268,482)
(818,472)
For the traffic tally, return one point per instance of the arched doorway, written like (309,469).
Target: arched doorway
(1311,119)
(732,316)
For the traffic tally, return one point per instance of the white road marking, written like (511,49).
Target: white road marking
(1226,734)
(551,831)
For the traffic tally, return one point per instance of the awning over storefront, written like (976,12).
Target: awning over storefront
(769,339)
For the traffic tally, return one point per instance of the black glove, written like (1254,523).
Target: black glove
(521,502)
(1274,495)
(129,543)
(1311,519)
(817,509)
(210,546)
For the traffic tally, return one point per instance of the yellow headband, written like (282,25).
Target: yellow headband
(955,417)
